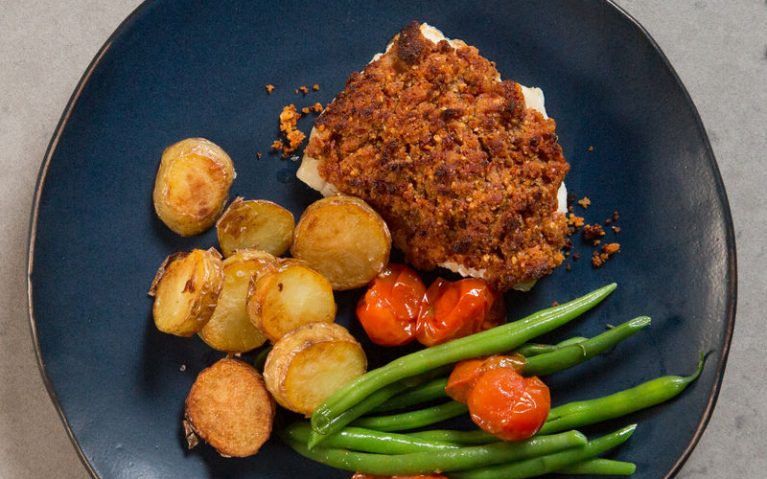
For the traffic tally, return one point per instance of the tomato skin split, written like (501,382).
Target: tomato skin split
(508,405)
(453,310)
(501,401)
(389,309)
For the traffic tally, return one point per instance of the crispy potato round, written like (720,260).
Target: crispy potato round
(229,408)
(192,185)
(186,289)
(288,296)
(258,224)
(230,329)
(343,238)
(310,363)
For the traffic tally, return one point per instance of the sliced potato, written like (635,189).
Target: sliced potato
(288,296)
(343,238)
(258,224)
(230,329)
(185,289)
(192,185)
(229,408)
(310,363)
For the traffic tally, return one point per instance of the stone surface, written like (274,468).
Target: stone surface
(718,48)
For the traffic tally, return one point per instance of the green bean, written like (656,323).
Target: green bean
(600,467)
(529,350)
(545,464)
(650,393)
(446,460)
(464,438)
(413,419)
(577,353)
(434,389)
(375,399)
(368,440)
(496,340)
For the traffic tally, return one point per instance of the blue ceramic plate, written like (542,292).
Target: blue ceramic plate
(177,69)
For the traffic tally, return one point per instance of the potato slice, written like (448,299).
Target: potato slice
(192,185)
(229,408)
(258,224)
(344,239)
(230,329)
(286,297)
(185,289)
(310,363)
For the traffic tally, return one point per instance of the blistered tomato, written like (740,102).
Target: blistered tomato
(389,309)
(453,310)
(508,405)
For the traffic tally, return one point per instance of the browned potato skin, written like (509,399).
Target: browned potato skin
(318,340)
(258,224)
(229,329)
(229,408)
(287,296)
(185,300)
(192,185)
(343,238)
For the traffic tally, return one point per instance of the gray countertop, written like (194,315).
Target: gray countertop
(718,48)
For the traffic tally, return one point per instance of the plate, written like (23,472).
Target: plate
(177,69)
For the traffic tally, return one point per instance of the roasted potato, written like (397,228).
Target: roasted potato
(192,185)
(258,224)
(310,363)
(288,296)
(230,409)
(230,329)
(343,238)
(186,289)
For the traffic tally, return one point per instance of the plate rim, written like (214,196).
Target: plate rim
(32,230)
(732,290)
(730,243)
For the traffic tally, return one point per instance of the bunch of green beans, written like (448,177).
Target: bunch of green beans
(342,434)
(493,341)
(565,355)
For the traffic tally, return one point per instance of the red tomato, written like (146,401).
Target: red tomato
(508,405)
(389,309)
(453,310)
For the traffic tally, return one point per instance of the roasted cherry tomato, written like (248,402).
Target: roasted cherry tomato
(508,405)
(360,475)
(389,309)
(453,310)
(466,373)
